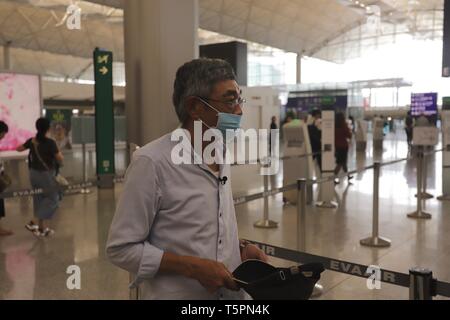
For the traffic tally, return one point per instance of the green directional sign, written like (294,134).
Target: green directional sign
(61,127)
(104,117)
(58,115)
(328,101)
(446,103)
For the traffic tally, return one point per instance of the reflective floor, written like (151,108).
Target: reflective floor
(36,269)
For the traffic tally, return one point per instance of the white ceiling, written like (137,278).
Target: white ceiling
(42,44)
(292,25)
(41,28)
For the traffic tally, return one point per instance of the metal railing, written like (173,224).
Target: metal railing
(375,240)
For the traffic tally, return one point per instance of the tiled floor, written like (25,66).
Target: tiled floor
(36,269)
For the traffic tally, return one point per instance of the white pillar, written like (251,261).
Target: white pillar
(299,68)
(160,36)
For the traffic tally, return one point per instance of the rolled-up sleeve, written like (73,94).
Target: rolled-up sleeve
(128,246)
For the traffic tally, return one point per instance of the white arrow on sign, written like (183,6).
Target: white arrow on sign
(104,70)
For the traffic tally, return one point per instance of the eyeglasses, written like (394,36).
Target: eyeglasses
(231,105)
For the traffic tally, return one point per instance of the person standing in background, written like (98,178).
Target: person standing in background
(422,121)
(409,128)
(352,121)
(42,161)
(288,119)
(315,136)
(343,136)
(273,126)
(3,131)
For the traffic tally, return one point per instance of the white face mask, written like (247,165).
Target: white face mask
(226,123)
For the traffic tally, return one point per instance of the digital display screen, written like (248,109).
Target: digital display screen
(307,104)
(424,104)
(20,107)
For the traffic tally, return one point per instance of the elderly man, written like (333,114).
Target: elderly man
(175,225)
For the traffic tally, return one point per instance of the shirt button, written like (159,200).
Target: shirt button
(220,241)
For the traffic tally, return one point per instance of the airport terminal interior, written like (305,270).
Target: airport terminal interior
(102,72)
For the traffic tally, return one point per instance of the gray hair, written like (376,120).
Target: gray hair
(198,78)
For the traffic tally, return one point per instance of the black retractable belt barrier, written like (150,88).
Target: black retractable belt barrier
(76,186)
(280,158)
(260,195)
(420,281)
(422,285)
(341,266)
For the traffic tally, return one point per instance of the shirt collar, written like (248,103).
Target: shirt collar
(195,157)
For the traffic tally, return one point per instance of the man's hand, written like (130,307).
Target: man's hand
(211,274)
(250,251)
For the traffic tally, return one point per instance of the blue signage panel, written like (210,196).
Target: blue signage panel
(424,104)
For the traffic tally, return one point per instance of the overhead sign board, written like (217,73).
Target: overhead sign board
(425,136)
(424,104)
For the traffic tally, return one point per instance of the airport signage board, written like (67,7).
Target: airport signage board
(446,103)
(446,137)
(307,104)
(104,112)
(425,136)
(61,127)
(424,104)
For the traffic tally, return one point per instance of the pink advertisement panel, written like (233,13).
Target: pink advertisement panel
(20,107)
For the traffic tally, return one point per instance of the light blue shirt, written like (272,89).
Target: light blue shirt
(182,209)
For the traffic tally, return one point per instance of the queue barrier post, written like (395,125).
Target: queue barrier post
(84,190)
(302,186)
(419,214)
(327,193)
(421,286)
(425,195)
(265,222)
(375,240)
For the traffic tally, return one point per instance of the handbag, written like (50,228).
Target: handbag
(263,281)
(60,180)
(5,181)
